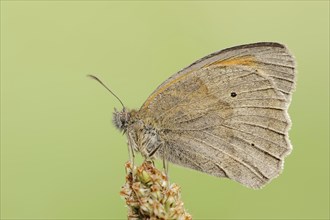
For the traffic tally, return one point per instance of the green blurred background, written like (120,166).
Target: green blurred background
(61,158)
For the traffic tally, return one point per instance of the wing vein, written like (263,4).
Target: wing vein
(262,150)
(257,172)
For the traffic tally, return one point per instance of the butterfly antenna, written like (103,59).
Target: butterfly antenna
(97,79)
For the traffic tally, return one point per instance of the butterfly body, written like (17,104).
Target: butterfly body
(225,115)
(142,134)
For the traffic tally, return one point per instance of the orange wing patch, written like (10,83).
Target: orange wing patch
(243,60)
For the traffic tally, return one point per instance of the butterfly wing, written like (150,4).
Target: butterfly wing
(226,114)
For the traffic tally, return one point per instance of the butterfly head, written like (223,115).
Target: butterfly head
(121,119)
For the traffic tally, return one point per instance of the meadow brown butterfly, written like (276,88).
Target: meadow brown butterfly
(225,115)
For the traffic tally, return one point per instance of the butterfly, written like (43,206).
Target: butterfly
(225,115)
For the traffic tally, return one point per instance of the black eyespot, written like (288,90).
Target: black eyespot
(252,144)
(233,94)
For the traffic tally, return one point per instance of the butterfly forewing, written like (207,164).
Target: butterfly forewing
(226,114)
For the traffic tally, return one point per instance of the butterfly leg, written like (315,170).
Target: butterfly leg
(165,164)
(154,151)
(131,155)
(151,154)
(164,153)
